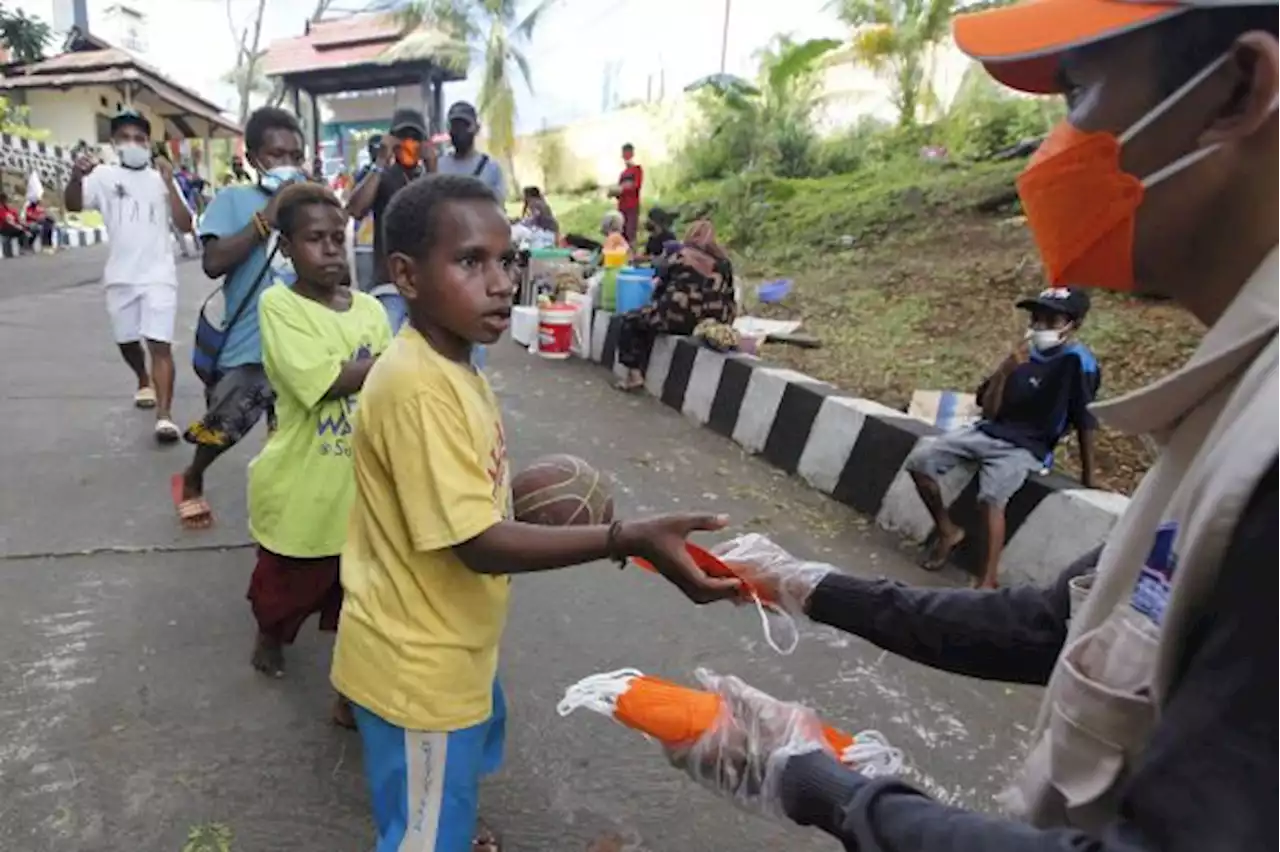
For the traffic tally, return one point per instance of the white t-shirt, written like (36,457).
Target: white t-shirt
(135,206)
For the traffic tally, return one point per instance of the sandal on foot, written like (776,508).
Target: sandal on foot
(193,512)
(145,398)
(167,432)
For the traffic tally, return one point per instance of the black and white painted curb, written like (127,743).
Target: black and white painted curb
(79,238)
(66,237)
(854,449)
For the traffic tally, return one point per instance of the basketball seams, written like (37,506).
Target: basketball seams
(563,502)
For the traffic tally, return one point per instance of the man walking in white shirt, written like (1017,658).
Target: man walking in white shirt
(140,204)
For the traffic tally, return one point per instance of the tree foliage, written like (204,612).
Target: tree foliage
(26,37)
(447,30)
(767,127)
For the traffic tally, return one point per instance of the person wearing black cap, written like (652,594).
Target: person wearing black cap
(404,155)
(140,204)
(464,125)
(1042,388)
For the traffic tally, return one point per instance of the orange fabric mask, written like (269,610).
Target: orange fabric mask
(1081,208)
(409,153)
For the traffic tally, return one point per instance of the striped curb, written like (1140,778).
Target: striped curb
(853,450)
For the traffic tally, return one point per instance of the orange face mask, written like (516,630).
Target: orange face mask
(1081,208)
(409,153)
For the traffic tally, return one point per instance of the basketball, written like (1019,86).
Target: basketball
(561,491)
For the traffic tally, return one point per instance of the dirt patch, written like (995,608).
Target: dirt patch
(932,308)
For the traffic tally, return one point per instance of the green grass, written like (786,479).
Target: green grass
(909,287)
(209,837)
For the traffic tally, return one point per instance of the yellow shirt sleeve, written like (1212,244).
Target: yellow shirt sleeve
(442,481)
(297,361)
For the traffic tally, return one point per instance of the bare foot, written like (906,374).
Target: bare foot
(342,715)
(943,545)
(485,840)
(268,656)
(985,583)
(607,843)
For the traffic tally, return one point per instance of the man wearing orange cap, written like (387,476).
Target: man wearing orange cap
(1158,730)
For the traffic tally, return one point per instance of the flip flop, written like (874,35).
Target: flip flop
(193,513)
(145,398)
(167,432)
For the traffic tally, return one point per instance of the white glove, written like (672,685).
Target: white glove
(782,579)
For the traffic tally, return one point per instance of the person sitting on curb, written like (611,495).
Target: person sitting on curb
(1039,391)
(42,226)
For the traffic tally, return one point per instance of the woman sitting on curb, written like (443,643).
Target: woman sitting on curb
(696,285)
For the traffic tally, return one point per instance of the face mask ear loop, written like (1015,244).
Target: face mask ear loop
(792,631)
(1172,100)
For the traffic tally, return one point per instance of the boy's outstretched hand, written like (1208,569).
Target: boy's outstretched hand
(661,540)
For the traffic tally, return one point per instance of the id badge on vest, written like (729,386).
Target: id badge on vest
(1151,592)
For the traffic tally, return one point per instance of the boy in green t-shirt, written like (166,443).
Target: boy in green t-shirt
(319,339)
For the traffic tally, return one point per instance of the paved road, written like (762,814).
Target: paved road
(129,713)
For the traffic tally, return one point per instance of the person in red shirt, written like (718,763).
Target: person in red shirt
(628,193)
(11,224)
(41,224)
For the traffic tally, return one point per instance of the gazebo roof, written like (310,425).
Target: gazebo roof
(96,62)
(350,54)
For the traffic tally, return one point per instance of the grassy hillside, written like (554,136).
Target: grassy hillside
(910,287)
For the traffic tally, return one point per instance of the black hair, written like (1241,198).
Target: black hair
(296,196)
(1193,39)
(265,119)
(411,219)
(627,146)
(532,192)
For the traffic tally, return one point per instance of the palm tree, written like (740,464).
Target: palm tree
(25,37)
(896,39)
(438,27)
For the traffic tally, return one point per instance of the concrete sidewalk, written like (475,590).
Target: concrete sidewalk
(129,714)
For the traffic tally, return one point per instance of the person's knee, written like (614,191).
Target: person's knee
(927,461)
(160,349)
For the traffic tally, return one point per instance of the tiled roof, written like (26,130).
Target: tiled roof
(112,65)
(333,44)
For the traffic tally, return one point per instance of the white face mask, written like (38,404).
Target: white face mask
(1044,339)
(133,156)
(273,180)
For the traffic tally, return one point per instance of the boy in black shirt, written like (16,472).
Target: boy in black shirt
(1040,390)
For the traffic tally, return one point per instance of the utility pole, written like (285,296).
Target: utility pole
(724,37)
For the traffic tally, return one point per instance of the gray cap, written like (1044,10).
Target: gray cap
(408,119)
(464,110)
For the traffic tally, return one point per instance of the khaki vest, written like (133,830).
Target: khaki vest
(1216,423)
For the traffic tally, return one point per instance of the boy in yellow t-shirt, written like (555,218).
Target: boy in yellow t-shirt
(431,543)
(319,340)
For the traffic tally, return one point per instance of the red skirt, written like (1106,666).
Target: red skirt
(286,590)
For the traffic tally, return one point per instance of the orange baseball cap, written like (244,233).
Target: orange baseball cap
(1020,45)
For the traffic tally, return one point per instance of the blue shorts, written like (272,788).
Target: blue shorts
(397,312)
(425,785)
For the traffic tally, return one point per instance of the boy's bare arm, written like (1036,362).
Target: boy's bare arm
(512,547)
(351,379)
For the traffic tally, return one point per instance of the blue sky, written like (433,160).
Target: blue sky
(579,45)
